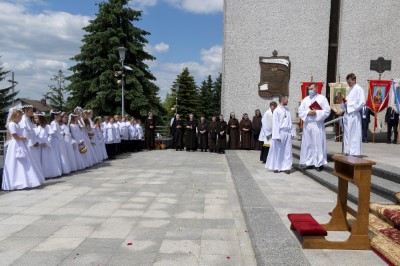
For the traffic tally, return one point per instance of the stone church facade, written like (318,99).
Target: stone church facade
(325,39)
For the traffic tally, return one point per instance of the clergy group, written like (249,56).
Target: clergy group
(313,111)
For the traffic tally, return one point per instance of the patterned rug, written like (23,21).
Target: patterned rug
(384,225)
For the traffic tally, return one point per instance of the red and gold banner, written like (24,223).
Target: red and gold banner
(378,95)
(304,88)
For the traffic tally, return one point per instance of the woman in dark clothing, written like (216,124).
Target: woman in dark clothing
(245,132)
(233,132)
(202,130)
(221,130)
(191,134)
(150,127)
(178,129)
(256,124)
(212,137)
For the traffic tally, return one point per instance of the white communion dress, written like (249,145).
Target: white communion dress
(20,168)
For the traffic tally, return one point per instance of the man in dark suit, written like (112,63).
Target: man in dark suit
(392,121)
(365,119)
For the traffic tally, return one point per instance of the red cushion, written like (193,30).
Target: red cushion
(306,225)
(300,217)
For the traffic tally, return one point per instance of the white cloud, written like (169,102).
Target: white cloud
(161,47)
(36,45)
(199,6)
(192,6)
(211,64)
(142,4)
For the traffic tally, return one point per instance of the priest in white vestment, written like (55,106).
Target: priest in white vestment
(280,154)
(352,131)
(313,142)
(266,131)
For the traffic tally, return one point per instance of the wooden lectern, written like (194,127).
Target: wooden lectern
(348,169)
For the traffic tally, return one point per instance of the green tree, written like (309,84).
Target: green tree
(206,97)
(169,103)
(94,83)
(6,98)
(56,95)
(216,95)
(188,95)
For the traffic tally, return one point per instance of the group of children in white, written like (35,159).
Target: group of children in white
(38,150)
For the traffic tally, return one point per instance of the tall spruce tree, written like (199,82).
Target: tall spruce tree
(56,95)
(216,95)
(206,97)
(93,84)
(188,95)
(6,98)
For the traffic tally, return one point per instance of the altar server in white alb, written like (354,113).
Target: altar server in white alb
(266,131)
(280,154)
(351,107)
(313,110)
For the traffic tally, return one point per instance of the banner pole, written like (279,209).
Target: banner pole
(375,123)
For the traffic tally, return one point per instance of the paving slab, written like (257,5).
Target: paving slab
(148,208)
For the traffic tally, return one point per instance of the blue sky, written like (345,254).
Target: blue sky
(39,36)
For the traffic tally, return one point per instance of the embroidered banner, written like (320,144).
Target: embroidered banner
(395,99)
(304,88)
(378,95)
(339,92)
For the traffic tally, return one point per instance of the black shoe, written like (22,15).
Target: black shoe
(276,171)
(394,142)
(319,169)
(388,142)
(365,141)
(176,149)
(287,172)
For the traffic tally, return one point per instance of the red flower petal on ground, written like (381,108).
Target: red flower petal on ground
(228,258)
(129,244)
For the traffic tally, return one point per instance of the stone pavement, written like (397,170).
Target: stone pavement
(172,208)
(149,208)
(297,193)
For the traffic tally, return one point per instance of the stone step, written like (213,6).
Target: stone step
(380,186)
(330,181)
(388,172)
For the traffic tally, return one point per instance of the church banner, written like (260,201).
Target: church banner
(378,95)
(338,92)
(304,88)
(396,94)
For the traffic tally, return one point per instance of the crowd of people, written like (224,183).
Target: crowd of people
(38,149)
(313,111)
(217,135)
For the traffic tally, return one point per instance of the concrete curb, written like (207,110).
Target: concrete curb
(272,242)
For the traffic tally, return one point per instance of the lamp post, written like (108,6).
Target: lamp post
(122,50)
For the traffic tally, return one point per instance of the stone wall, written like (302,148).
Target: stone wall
(368,30)
(300,29)
(254,28)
